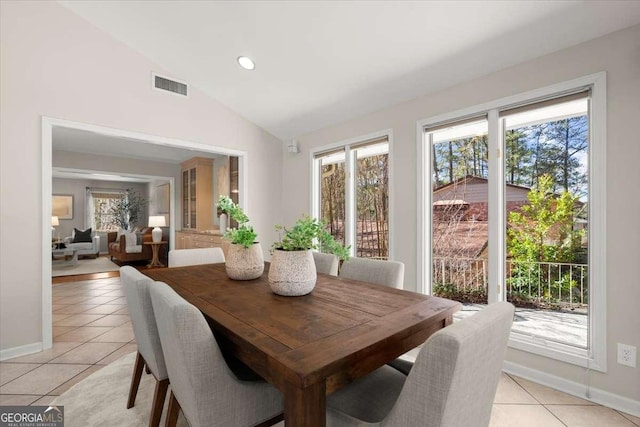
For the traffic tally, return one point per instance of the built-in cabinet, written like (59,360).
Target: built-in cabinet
(193,239)
(197,194)
(198,204)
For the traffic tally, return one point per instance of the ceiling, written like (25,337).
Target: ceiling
(81,141)
(319,63)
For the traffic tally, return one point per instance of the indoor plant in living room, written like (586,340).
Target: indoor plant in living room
(128,209)
(293,271)
(244,260)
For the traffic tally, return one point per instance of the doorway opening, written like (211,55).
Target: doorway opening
(86,155)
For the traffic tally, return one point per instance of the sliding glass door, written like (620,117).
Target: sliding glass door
(546,148)
(509,215)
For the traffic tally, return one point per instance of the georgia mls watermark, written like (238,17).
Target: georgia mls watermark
(31,416)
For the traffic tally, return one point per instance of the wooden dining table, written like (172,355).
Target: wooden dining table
(309,346)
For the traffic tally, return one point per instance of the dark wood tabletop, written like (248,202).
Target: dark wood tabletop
(312,345)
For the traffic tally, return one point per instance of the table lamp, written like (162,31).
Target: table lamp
(55,221)
(156,221)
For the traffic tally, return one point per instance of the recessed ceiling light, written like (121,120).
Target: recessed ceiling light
(246,63)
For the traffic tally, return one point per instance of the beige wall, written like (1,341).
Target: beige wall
(617,54)
(55,64)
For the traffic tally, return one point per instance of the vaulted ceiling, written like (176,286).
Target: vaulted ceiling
(319,63)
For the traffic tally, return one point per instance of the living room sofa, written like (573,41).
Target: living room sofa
(119,249)
(84,248)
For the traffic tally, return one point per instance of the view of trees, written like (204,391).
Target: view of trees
(544,242)
(371,202)
(554,148)
(125,211)
(332,203)
(372,210)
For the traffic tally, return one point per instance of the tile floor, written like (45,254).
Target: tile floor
(92,329)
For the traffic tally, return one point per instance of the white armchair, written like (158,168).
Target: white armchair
(84,248)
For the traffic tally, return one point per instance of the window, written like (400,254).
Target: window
(351,187)
(546,148)
(459,214)
(99,209)
(513,209)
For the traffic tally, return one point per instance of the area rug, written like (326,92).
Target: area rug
(85,266)
(101,398)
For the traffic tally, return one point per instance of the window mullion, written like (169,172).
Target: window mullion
(496,279)
(350,204)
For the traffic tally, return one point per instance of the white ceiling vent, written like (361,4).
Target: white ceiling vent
(169,85)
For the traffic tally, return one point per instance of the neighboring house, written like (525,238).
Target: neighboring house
(469,195)
(460,215)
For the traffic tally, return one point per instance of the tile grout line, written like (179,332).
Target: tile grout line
(555,416)
(534,398)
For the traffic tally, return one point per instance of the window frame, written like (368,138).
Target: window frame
(594,357)
(91,209)
(350,145)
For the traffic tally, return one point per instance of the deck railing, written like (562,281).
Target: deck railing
(534,283)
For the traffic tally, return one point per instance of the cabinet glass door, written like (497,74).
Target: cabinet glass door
(192,198)
(185,199)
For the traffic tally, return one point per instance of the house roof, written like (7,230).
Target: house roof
(470,179)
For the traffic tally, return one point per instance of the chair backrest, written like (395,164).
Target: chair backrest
(380,272)
(200,378)
(136,291)
(456,374)
(326,263)
(184,257)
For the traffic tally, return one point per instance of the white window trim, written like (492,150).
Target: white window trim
(595,357)
(314,191)
(91,209)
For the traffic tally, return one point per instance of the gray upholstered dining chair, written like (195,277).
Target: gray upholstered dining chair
(136,291)
(326,263)
(196,256)
(380,272)
(201,383)
(453,382)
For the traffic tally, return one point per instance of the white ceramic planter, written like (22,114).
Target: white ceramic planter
(244,263)
(223,222)
(292,273)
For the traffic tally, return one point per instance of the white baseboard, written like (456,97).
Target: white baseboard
(23,350)
(595,395)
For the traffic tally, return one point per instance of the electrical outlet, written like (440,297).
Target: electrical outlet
(627,355)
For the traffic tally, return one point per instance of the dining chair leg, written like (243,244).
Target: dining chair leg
(172,411)
(146,369)
(135,380)
(158,402)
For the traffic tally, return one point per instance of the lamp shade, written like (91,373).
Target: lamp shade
(157,221)
(55,221)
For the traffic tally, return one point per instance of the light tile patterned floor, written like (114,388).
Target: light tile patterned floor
(92,329)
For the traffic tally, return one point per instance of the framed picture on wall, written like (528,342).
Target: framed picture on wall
(162,198)
(62,206)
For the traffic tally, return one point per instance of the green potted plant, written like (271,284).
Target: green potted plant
(224,207)
(244,260)
(293,271)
